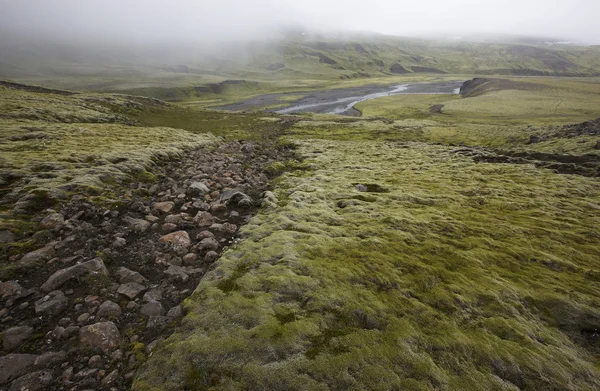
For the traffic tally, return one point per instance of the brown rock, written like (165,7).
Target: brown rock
(163,207)
(104,335)
(131,290)
(204,219)
(35,381)
(93,267)
(15,365)
(168,227)
(15,336)
(40,255)
(190,259)
(179,238)
(53,221)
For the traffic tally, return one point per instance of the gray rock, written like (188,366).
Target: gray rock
(152,345)
(15,336)
(108,309)
(136,225)
(236,197)
(204,219)
(177,273)
(152,308)
(125,275)
(53,304)
(131,290)
(70,331)
(175,312)
(49,359)
(95,361)
(207,244)
(34,381)
(197,189)
(211,256)
(13,366)
(168,227)
(153,294)
(110,379)
(38,256)
(201,205)
(104,335)
(6,236)
(10,288)
(190,259)
(53,221)
(93,267)
(119,243)
(157,321)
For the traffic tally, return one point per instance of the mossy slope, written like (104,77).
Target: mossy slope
(452,275)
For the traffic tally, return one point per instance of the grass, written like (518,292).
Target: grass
(460,276)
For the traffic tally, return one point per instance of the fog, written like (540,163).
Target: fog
(201,21)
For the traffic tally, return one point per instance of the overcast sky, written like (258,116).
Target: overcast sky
(206,19)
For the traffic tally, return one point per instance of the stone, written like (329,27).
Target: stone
(13,366)
(10,288)
(189,259)
(58,332)
(83,318)
(53,221)
(163,207)
(15,336)
(236,197)
(597,145)
(104,335)
(119,243)
(34,381)
(70,331)
(6,236)
(179,238)
(93,267)
(204,219)
(197,189)
(157,321)
(131,290)
(152,308)
(207,244)
(126,275)
(210,256)
(67,374)
(38,256)
(87,373)
(175,219)
(53,304)
(110,379)
(175,312)
(136,225)
(177,273)
(204,235)
(153,294)
(218,208)
(95,361)
(201,205)
(108,309)
(168,227)
(152,345)
(49,359)
(228,228)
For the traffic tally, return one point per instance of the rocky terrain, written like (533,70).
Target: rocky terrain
(107,286)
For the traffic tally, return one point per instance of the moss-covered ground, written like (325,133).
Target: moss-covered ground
(395,263)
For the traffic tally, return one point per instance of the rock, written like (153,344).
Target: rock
(533,139)
(204,235)
(207,244)
(596,146)
(227,228)
(67,374)
(10,288)
(49,359)
(70,331)
(152,308)
(53,304)
(93,267)
(361,188)
(197,189)
(211,256)
(83,318)
(163,207)
(104,335)
(119,243)
(53,221)
(110,379)
(152,345)
(176,219)
(218,208)
(397,68)
(201,205)
(190,259)
(6,236)
(168,227)
(132,305)
(177,273)
(236,197)
(108,309)
(34,381)
(125,275)
(95,361)
(15,336)
(175,312)
(204,219)
(38,256)
(179,238)
(136,225)
(13,366)
(157,321)
(58,332)
(131,290)
(153,294)
(88,373)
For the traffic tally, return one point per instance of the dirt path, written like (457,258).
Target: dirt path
(86,308)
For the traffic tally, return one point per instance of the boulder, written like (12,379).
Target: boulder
(53,304)
(197,189)
(131,290)
(136,225)
(108,309)
(13,366)
(40,255)
(152,308)
(125,275)
(179,238)
(15,336)
(177,273)
(104,335)
(163,207)
(34,381)
(53,221)
(6,236)
(204,219)
(94,267)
